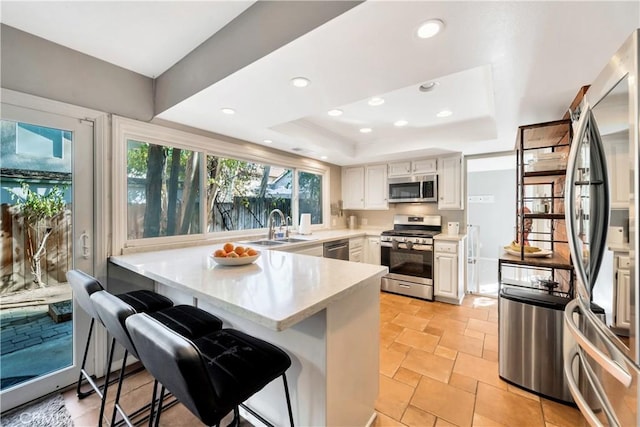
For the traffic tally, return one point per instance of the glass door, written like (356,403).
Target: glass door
(46,183)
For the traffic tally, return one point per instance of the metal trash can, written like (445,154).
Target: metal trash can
(530,352)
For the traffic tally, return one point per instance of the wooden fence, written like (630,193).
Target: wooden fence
(16,265)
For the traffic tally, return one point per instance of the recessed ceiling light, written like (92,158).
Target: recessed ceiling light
(430,28)
(228,110)
(428,87)
(323,157)
(444,113)
(267,141)
(300,81)
(365,130)
(400,123)
(375,101)
(334,113)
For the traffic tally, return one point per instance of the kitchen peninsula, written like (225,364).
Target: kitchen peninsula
(323,312)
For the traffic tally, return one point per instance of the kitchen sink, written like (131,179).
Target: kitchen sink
(266,242)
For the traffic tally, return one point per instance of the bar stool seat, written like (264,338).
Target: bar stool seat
(113,312)
(211,375)
(83,285)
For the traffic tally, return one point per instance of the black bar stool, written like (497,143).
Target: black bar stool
(211,375)
(113,312)
(83,285)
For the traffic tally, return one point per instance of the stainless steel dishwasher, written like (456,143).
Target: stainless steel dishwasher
(336,249)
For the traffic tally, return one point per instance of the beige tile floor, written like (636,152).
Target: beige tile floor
(438,367)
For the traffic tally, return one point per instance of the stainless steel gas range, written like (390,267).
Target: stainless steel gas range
(408,252)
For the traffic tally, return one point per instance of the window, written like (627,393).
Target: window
(241,194)
(310,195)
(172,186)
(163,191)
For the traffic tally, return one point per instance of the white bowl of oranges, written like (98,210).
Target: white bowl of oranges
(235,255)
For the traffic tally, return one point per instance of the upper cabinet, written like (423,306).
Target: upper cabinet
(450,183)
(375,187)
(416,167)
(365,187)
(353,188)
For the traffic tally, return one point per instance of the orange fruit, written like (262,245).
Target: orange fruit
(232,255)
(228,247)
(244,255)
(220,253)
(251,252)
(239,250)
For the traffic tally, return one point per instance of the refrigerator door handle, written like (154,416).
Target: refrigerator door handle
(608,364)
(582,403)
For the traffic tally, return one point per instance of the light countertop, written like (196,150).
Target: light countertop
(449,237)
(279,290)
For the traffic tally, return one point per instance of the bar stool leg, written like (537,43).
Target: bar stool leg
(80,394)
(106,381)
(120,381)
(286,392)
(153,402)
(157,423)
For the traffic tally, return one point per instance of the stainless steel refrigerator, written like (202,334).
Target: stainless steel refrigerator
(601,354)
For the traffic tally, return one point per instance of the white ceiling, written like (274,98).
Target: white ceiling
(499,65)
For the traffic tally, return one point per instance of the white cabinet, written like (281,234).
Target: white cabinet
(365,187)
(424,166)
(375,185)
(356,249)
(399,169)
(617,152)
(450,183)
(622,304)
(448,277)
(415,167)
(353,188)
(372,251)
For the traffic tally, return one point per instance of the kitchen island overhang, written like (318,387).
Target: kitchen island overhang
(323,312)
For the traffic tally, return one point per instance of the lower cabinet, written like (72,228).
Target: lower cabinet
(356,249)
(448,277)
(372,251)
(622,303)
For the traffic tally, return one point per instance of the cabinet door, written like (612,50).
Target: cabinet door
(313,251)
(623,315)
(372,252)
(450,183)
(617,153)
(424,166)
(400,169)
(446,275)
(376,187)
(355,255)
(353,188)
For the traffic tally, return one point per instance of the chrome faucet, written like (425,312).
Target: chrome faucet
(271,234)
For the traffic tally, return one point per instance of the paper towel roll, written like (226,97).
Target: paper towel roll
(305,223)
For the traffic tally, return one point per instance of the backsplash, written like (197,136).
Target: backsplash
(384,219)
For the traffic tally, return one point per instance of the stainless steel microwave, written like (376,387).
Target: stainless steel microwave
(412,189)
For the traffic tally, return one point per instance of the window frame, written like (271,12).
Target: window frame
(124,129)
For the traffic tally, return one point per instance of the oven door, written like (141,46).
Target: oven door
(415,264)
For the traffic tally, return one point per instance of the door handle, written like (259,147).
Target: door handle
(84,245)
(608,364)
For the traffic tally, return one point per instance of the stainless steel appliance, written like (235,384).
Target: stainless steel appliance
(336,249)
(422,188)
(408,252)
(531,338)
(601,363)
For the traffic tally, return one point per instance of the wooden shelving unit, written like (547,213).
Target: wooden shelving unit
(542,150)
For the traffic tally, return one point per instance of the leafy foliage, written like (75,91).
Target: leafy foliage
(35,207)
